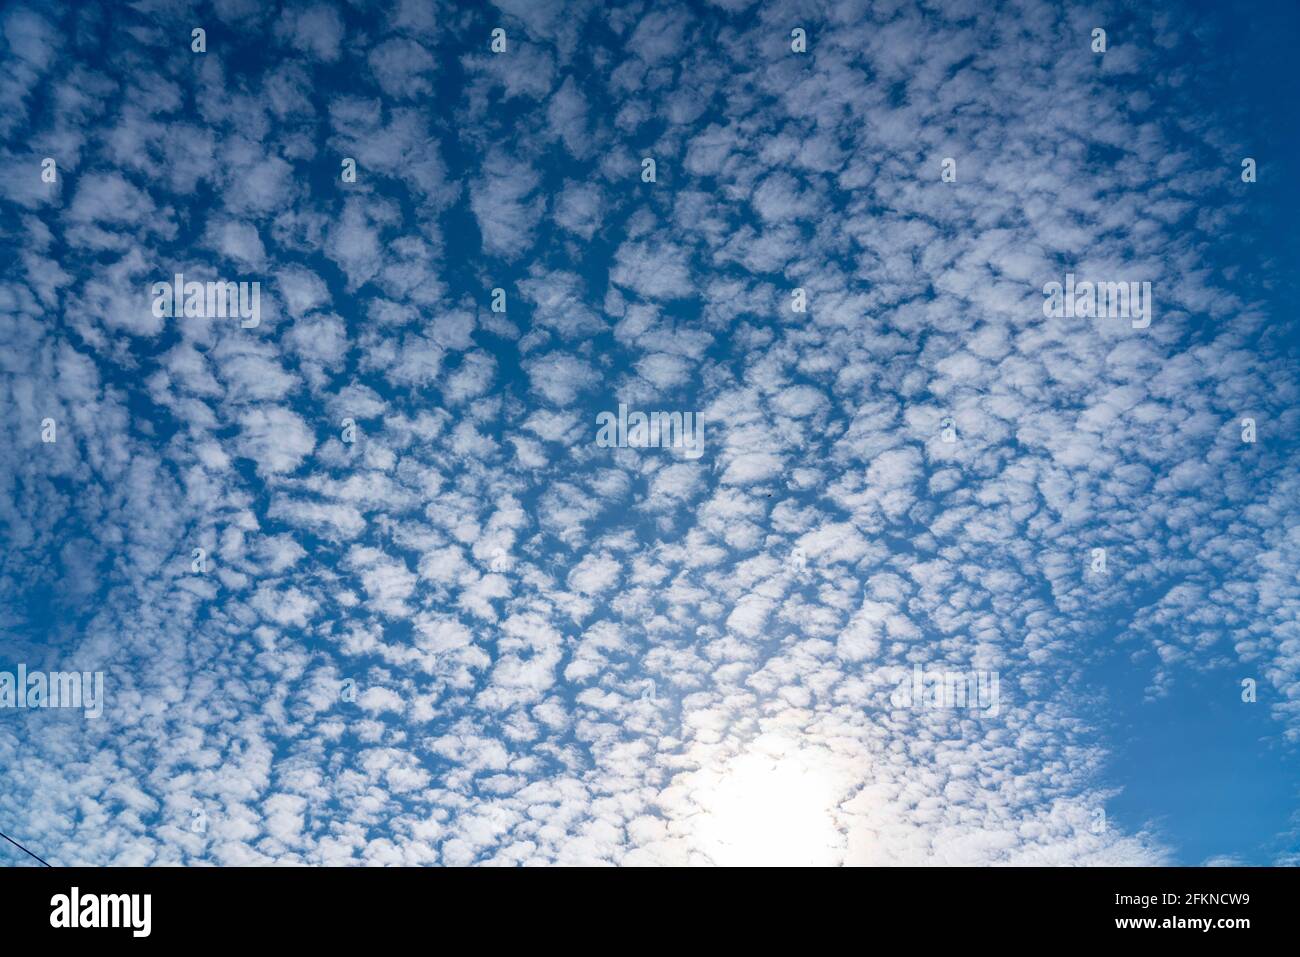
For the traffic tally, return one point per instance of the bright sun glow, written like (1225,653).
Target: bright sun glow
(766,810)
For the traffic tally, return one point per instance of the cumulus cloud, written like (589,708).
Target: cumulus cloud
(275,438)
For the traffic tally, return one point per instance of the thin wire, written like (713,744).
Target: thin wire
(23,849)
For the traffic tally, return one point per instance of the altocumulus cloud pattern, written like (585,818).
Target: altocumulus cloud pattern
(568,432)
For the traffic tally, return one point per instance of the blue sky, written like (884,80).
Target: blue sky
(468,633)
